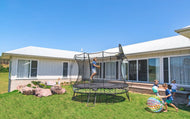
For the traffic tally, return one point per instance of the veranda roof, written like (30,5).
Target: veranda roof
(170,43)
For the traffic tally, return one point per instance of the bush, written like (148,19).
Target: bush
(181,89)
(41,85)
(29,85)
(36,82)
(3,69)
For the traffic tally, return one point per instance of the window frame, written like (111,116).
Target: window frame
(30,77)
(67,69)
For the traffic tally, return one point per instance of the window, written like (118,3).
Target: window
(142,70)
(154,69)
(27,68)
(133,70)
(166,75)
(180,69)
(34,68)
(65,69)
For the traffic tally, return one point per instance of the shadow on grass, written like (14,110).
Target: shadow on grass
(183,107)
(148,110)
(99,98)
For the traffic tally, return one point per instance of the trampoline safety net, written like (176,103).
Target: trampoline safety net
(110,77)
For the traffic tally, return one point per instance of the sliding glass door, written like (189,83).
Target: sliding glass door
(180,69)
(142,70)
(133,70)
(110,72)
(166,70)
(154,69)
(124,70)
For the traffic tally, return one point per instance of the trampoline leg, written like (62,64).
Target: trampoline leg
(127,94)
(113,98)
(73,96)
(106,99)
(95,100)
(81,98)
(88,99)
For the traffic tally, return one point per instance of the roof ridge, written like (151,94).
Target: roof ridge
(152,40)
(49,49)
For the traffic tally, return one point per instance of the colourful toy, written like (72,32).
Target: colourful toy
(155,104)
(155,89)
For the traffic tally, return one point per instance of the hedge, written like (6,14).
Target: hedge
(3,69)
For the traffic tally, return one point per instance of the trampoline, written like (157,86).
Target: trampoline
(110,78)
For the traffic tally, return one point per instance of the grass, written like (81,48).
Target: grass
(4,82)
(15,105)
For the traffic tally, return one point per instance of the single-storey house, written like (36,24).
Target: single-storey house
(163,59)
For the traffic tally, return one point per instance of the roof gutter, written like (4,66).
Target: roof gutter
(8,55)
(158,51)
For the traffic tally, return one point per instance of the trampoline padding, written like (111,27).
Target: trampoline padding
(101,86)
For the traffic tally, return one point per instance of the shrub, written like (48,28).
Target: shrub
(181,89)
(3,69)
(28,85)
(41,85)
(36,82)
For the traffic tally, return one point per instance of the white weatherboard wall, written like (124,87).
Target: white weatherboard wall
(47,68)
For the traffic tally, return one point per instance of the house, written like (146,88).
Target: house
(41,64)
(163,59)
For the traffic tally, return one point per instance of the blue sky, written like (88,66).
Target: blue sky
(93,25)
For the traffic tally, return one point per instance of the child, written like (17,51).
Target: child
(94,68)
(174,88)
(59,81)
(156,84)
(188,100)
(169,98)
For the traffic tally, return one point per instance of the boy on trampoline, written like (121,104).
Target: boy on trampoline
(94,68)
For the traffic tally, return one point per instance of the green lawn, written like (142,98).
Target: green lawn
(14,105)
(4,82)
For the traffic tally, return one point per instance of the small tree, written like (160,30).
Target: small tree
(3,69)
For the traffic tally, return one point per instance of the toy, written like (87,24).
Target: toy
(155,89)
(155,104)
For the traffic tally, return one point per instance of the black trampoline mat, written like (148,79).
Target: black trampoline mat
(101,85)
